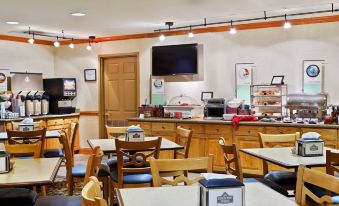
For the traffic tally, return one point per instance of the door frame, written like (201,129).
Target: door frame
(101,92)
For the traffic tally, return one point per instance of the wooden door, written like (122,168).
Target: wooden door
(121,89)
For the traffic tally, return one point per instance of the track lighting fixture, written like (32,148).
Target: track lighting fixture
(190,34)
(56,43)
(89,46)
(233,30)
(287,24)
(162,37)
(31,38)
(71,45)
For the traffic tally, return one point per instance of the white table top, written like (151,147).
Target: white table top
(256,194)
(27,172)
(283,157)
(108,145)
(49,134)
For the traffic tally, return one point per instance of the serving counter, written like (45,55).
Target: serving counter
(51,122)
(206,134)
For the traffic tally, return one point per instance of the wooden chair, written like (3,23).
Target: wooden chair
(115,132)
(314,186)
(27,141)
(161,166)
(92,194)
(24,150)
(232,159)
(135,172)
(81,173)
(332,163)
(184,137)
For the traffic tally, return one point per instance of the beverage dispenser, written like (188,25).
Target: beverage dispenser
(29,104)
(45,104)
(61,92)
(37,102)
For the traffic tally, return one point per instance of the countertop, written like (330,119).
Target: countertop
(247,123)
(49,116)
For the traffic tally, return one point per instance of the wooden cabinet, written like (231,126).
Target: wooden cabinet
(281,130)
(330,136)
(248,137)
(165,130)
(197,148)
(146,126)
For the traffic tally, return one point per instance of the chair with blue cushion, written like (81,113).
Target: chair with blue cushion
(314,187)
(17,197)
(332,163)
(136,171)
(112,133)
(283,179)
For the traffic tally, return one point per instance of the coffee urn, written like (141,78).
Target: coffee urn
(45,104)
(37,102)
(29,104)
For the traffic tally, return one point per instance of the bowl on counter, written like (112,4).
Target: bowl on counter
(228,117)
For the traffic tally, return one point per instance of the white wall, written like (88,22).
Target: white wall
(22,57)
(274,51)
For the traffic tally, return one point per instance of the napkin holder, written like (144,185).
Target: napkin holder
(26,127)
(310,147)
(5,163)
(228,191)
(135,134)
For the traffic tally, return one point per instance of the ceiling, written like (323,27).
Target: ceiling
(120,17)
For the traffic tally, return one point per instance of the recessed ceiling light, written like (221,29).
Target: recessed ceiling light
(78,14)
(12,22)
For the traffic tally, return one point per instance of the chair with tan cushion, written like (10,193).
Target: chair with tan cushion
(92,194)
(159,167)
(316,188)
(231,158)
(283,179)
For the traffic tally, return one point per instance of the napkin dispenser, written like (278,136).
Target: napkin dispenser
(215,192)
(310,145)
(135,134)
(4,162)
(26,125)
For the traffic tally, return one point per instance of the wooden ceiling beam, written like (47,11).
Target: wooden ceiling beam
(25,40)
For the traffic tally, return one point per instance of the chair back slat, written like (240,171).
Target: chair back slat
(324,181)
(138,154)
(161,166)
(231,158)
(184,138)
(332,163)
(92,194)
(115,132)
(37,125)
(19,150)
(20,140)
(93,164)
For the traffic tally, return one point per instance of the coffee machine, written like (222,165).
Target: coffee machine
(61,92)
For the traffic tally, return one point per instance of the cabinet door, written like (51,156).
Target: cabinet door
(330,136)
(250,164)
(197,148)
(281,130)
(54,124)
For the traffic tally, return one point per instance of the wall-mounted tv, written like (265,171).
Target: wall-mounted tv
(175,60)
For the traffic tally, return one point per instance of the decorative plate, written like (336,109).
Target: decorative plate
(313,71)
(243,73)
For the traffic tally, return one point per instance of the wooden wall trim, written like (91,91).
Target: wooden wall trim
(25,40)
(89,113)
(248,26)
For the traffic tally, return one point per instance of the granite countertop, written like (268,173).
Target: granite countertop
(247,123)
(49,116)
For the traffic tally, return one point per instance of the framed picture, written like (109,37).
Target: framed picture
(206,95)
(277,80)
(90,74)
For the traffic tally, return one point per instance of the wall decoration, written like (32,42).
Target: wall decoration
(158,91)
(313,76)
(206,95)
(4,73)
(243,81)
(90,74)
(277,80)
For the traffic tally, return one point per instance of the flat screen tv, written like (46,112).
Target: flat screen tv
(175,60)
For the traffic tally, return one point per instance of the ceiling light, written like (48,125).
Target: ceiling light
(12,22)
(57,43)
(89,46)
(78,14)
(31,40)
(162,37)
(233,30)
(71,45)
(287,24)
(190,34)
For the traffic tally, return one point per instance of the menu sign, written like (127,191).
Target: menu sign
(313,74)
(4,73)
(243,81)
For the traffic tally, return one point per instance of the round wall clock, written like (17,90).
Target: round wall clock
(158,83)
(313,71)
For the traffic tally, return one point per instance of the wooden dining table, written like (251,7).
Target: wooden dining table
(108,145)
(284,157)
(31,172)
(256,194)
